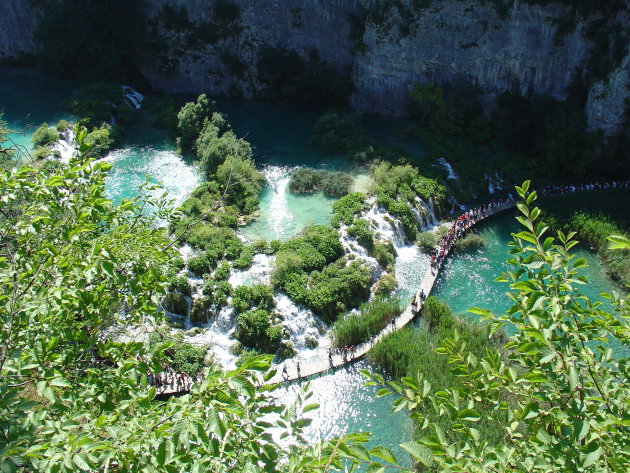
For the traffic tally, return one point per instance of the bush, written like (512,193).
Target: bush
(45,135)
(347,208)
(469,242)
(187,359)
(258,296)
(360,231)
(427,240)
(353,329)
(331,183)
(191,118)
(245,259)
(199,264)
(217,290)
(384,252)
(254,329)
(63,125)
(100,139)
(386,285)
(181,284)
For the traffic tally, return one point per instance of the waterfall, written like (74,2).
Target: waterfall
(278,178)
(352,247)
(218,336)
(65,146)
(304,328)
(389,227)
(258,273)
(424,213)
(446,165)
(495,182)
(132,97)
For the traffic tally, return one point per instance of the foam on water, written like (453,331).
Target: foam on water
(132,165)
(65,146)
(302,325)
(258,273)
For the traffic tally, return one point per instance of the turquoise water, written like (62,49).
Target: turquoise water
(28,99)
(467,279)
(346,405)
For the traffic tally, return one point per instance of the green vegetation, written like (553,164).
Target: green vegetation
(552,399)
(309,270)
(471,241)
(258,296)
(385,254)
(98,102)
(337,133)
(353,329)
(91,39)
(191,119)
(182,357)
(347,208)
(385,285)
(539,135)
(333,183)
(256,330)
(398,186)
(360,231)
(290,78)
(45,135)
(595,215)
(230,195)
(427,240)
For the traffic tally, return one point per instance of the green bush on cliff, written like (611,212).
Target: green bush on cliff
(333,183)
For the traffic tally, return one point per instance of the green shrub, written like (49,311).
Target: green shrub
(199,264)
(63,125)
(427,240)
(347,208)
(42,152)
(386,285)
(181,284)
(261,246)
(191,119)
(360,231)
(331,183)
(245,259)
(353,329)
(254,329)
(100,139)
(258,296)
(217,291)
(187,358)
(336,133)
(45,135)
(471,241)
(384,252)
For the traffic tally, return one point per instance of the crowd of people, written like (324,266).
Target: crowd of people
(169,380)
(463,223)
(593,186)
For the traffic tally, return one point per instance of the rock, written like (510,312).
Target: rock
(175,303)
(199,310)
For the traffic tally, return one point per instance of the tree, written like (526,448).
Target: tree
(191,119)
(559,397)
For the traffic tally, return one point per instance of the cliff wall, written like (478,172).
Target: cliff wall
(385,46)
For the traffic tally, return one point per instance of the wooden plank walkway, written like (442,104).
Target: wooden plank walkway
(291,370)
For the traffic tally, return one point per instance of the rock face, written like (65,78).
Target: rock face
(517,48)
(454,42)
(17,21)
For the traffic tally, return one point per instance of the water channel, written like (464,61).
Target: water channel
(279,135)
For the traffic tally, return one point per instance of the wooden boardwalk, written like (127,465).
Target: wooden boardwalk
(323,361)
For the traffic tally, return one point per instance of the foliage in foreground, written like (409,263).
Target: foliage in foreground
(560,397)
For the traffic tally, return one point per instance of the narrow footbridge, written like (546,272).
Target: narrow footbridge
(324,360)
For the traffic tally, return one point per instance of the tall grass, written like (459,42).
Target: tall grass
(373,316)
(594,216)
(410,351)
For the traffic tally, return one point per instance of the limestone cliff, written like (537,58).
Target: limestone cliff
(384,44)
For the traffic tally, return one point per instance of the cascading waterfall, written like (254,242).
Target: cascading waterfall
(278,178)
(132,97)
(258,273)
(446,165)
(304,328)
(65,147)
(495,182)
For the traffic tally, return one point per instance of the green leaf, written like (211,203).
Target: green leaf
(468,414)
(419,452)
(590,453)
(384,453)
(573,378)
(80,460)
